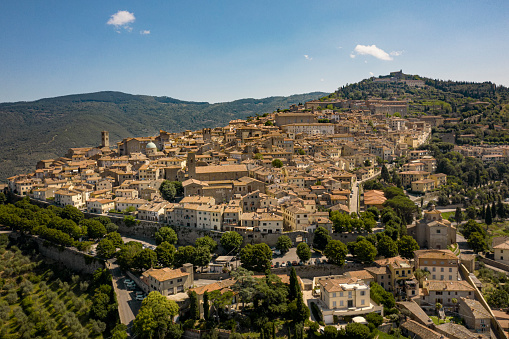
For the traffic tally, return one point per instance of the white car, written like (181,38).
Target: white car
(283,264)
(140,297)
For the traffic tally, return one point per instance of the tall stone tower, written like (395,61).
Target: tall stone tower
(191,164)
(105,138)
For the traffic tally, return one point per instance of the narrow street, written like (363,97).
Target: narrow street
(128,306)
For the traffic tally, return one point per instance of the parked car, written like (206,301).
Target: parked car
(283,264)
(128,281)
(140,292)
(295,263)
(277,264)
(277,252)
(317,261)
(289,263)
(140,297)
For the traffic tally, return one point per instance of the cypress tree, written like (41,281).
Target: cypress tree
(294,285)
(483,212)
(488,218)
(500,209)
(206,306)
(194,310)
(493,210)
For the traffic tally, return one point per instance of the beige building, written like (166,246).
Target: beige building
(432,231)
(436,291)
(442,264)
(69,197)
(169,281)
(100,206)
(423,186)
(476,317)
(309,128)
(345,297)
(410,176)
(501,249)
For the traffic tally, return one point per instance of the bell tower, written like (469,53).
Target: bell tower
(105,139)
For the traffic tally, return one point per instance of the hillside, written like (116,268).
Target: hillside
(46,128)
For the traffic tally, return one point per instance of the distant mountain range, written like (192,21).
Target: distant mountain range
(47,128)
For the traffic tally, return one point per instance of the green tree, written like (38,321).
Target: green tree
(231,240)
(498,298)
(206,306)
(206,241)
(106,249)
(165,253)
(420,275)
(155,317)
(168,190)
(284,243)
(458,216)
(256,257)
(321,238)
(403,206)
(166,234)
(184,254)
(387,247)
(365,251)
(125,257)
(298,310)
(116,239)
(303,252)
(194,307)
(477,242)
(201,256)
(72,213)
(406,246)
(375,319)
(130,221)
(145,259)
(357,331)
(294,288)
(488,219)
(178,187)
(336,252)
(472,226)
(277,163)
(95,229)
(385,174)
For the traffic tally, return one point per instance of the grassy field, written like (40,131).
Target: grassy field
(38,300)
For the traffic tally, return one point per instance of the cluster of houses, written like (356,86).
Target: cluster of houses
(227,173)
(231,182)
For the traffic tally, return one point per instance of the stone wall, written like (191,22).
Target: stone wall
(71,258)
(494,263)
(495,325)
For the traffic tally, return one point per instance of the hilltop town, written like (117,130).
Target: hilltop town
(337,196)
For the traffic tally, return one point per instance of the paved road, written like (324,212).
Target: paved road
(128,306)
(291,255)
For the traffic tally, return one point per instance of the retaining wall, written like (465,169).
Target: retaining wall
(494,263)
(70,257)
(495,325)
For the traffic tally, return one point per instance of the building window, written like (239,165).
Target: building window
(334,304)
(363,293)
(341,303)
(362,301)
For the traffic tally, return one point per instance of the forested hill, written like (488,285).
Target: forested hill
(478,112)
(46,128)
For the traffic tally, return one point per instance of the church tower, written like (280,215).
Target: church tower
(105,138)
(191,164)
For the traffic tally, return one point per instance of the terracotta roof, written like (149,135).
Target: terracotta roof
(218,285)
(421,331)
(435,254)
(163,274)
(447,285)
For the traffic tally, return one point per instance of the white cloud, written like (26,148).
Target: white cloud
(352,55)
(122,19)
(322,80)
(307,57)
(371,73)
(145,32)
(371,50)
(396,53)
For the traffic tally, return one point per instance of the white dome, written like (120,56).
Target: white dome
(151,145)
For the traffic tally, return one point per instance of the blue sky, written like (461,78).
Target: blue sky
(216,51)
